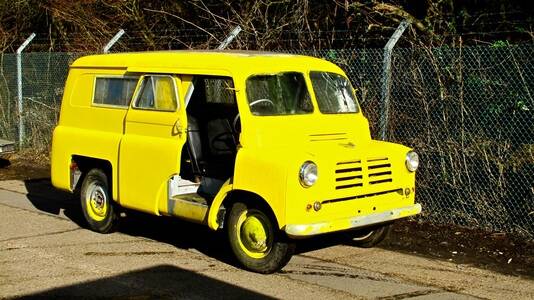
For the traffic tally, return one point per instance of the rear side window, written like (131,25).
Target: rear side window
(114,91)
(157,93)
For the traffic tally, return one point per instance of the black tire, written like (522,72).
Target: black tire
(98,207)
(267,255)
(370,237)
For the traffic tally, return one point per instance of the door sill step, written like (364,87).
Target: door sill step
(191,207)
(193,199)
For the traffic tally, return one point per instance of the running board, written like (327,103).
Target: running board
(191,207)
(194,208)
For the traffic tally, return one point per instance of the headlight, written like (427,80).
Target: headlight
(308,174)
(412,161)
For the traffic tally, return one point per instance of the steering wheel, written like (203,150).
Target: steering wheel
(260,101)
(250,105)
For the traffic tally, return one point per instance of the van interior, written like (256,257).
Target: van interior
(213,128)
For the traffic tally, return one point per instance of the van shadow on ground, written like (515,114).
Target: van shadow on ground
(162,281)
(474,247)
(181,234)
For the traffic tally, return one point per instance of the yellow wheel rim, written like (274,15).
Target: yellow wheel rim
(254,233)
(96,201)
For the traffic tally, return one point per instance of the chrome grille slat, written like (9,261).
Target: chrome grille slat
(348,170)
(349,178)
(381,181)
(377,159)
(349,162)
(380,174)
(380,178)
(382,166)
(339,187)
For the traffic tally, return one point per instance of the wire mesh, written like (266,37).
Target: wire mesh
(8,96)
(43,79)
(469,112)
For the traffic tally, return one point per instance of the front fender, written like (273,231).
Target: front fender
(216,204)
(264,173)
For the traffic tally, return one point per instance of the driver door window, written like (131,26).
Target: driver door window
(278,94)
(157,93)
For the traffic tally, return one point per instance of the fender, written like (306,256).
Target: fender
(216,204)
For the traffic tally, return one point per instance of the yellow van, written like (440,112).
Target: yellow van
(270,147)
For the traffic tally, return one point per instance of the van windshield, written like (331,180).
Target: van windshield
(334,93)
(278,94)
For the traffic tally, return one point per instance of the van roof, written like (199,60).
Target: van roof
(207,59)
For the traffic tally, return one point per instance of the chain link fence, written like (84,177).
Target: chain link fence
(469,112)
(43,77)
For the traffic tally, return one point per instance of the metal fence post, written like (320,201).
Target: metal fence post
(113,40)
(229,38)
(386,77)
(19,87)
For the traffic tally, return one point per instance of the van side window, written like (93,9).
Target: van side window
(220,90)
(157,93)
(115,91)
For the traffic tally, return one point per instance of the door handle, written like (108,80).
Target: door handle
(177,129)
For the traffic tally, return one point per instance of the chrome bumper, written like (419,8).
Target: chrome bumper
(305,230)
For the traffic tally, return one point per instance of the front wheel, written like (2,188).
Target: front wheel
(97,205)
(256,241)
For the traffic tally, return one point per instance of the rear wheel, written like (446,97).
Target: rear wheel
(256,241)
(370,237)
(97,205)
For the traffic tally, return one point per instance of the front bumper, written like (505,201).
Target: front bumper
(306,230)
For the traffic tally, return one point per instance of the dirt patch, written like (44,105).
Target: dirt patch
(497,251)
(18,167)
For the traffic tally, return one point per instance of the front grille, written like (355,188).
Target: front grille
(349,174)
(379,170)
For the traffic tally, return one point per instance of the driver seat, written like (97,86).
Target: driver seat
(194,146)
(218,161)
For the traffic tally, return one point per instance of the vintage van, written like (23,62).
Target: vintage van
(270,147)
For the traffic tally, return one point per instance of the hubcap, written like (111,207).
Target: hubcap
(255,233)
(97,202)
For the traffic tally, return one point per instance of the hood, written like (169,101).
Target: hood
(308,132)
